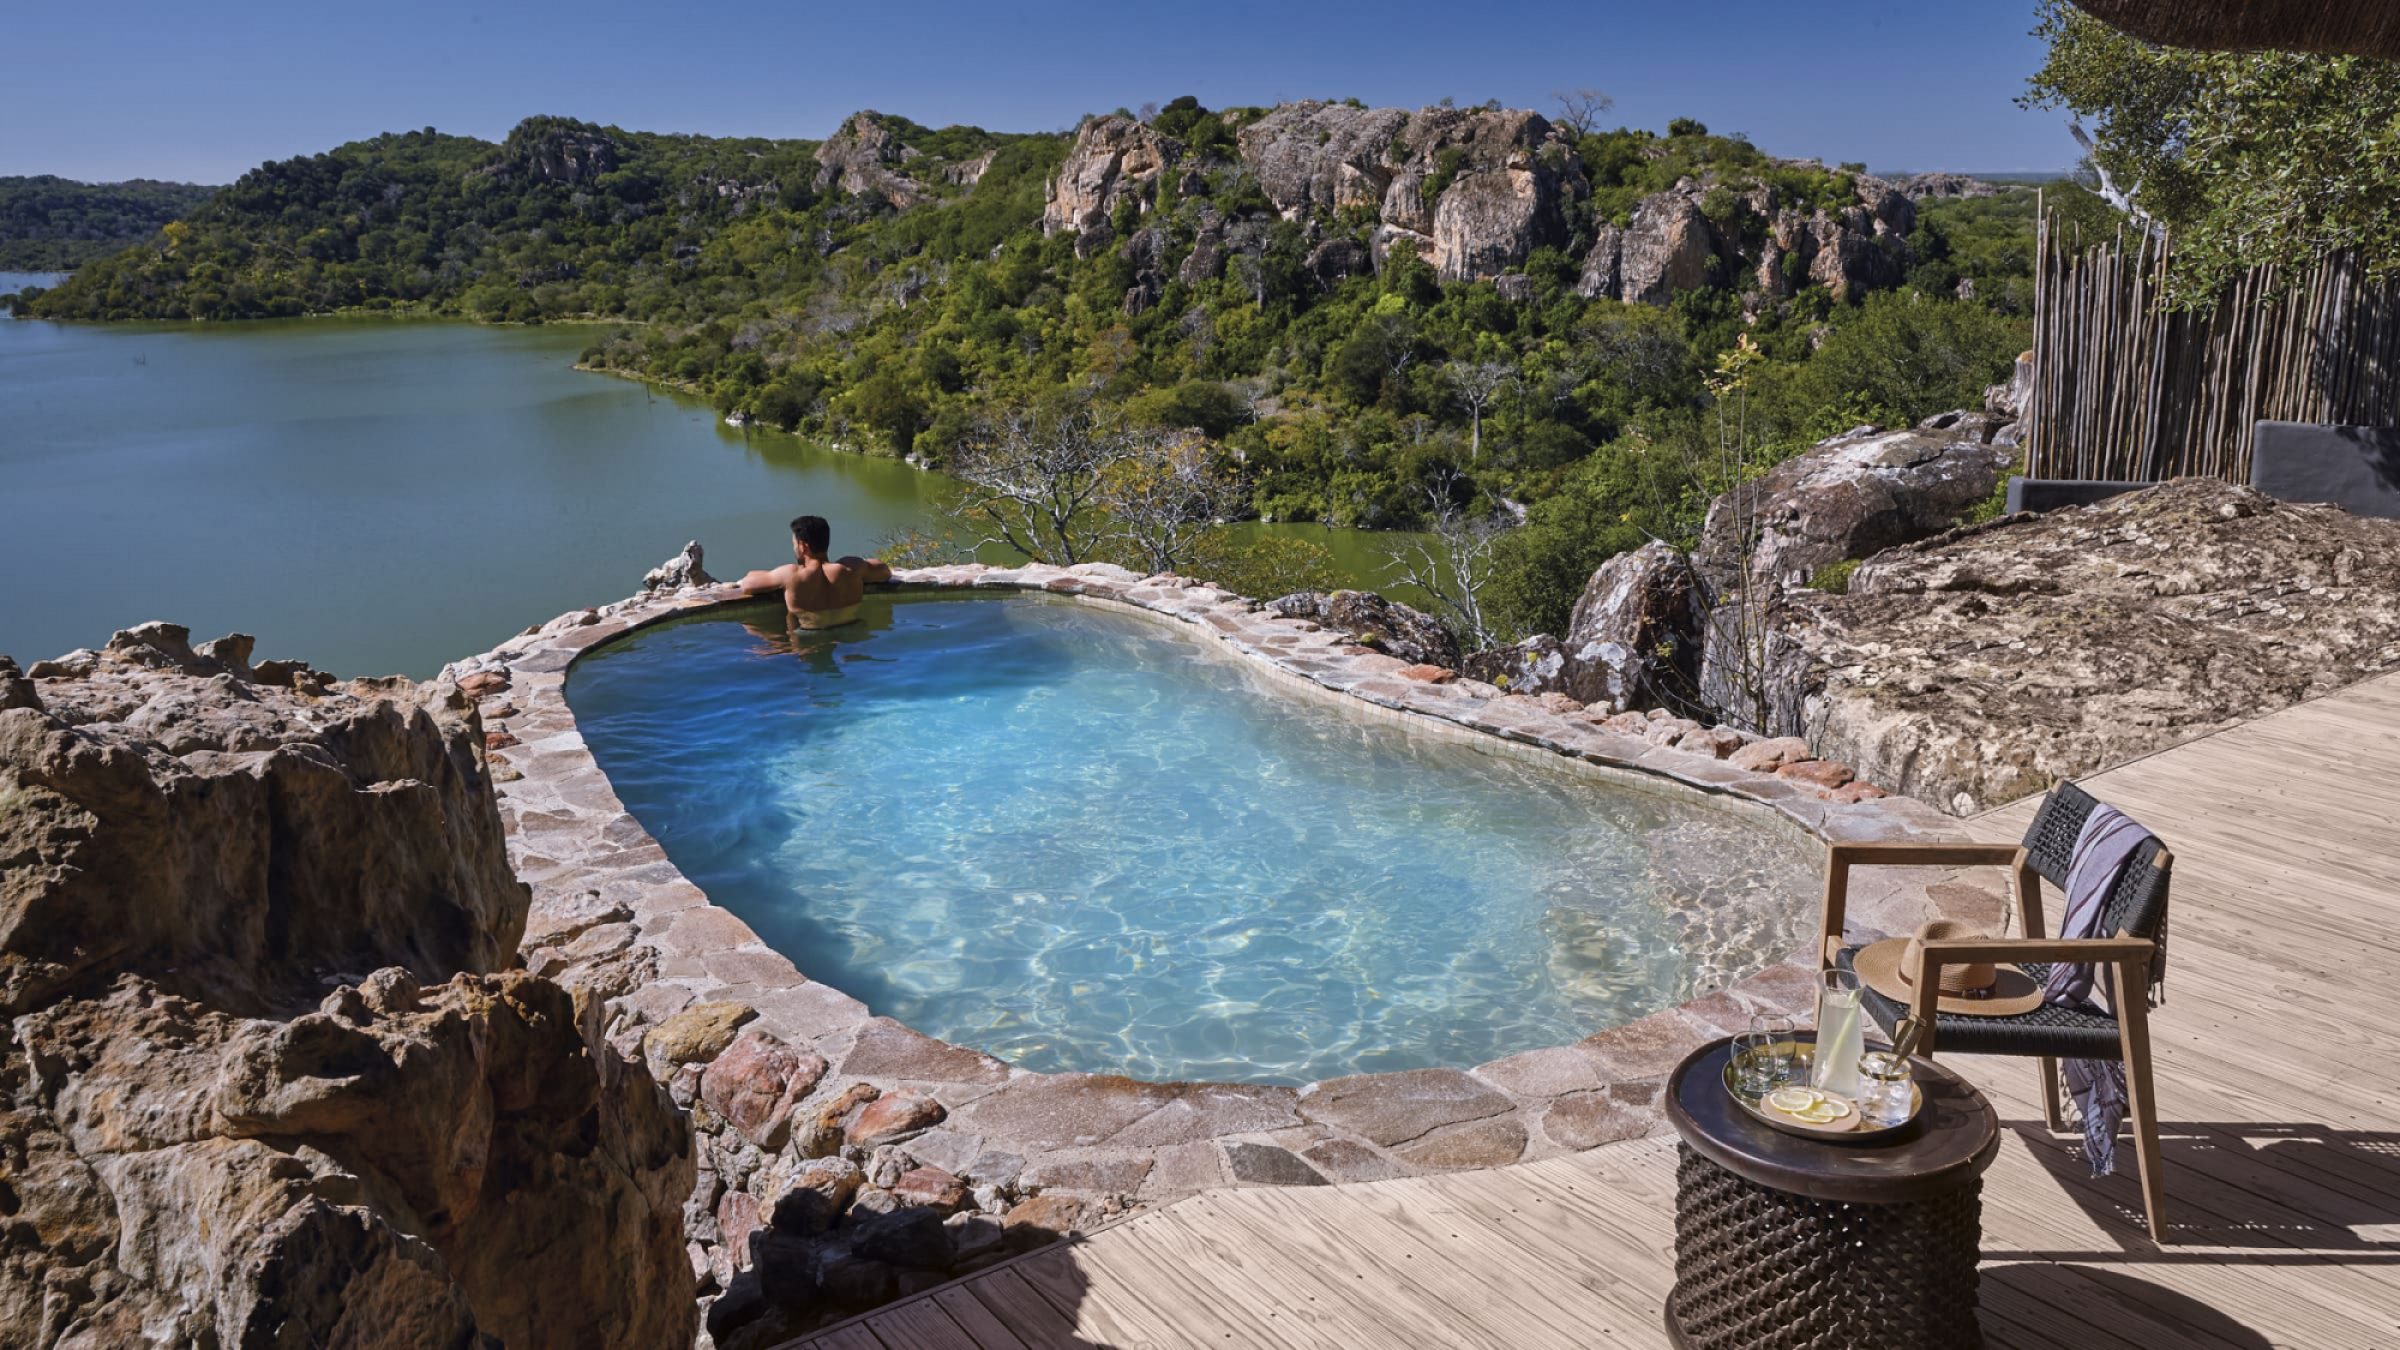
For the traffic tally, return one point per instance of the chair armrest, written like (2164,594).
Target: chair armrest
(2131,952)
(1963,951)
(1926,855)
(2024,884)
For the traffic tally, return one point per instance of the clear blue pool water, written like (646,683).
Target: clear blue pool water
(1080,839)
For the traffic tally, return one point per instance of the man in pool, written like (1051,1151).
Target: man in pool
(819,592)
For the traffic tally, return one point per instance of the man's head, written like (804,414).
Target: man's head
(811,536)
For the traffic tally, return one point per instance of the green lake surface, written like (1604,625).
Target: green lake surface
(386,495)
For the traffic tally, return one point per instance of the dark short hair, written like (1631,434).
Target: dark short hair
(814,532)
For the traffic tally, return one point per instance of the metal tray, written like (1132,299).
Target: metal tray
(1851,1129)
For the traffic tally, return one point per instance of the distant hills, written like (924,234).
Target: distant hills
(52,224)
(1380,314)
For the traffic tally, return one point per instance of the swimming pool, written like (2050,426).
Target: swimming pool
(1081,839)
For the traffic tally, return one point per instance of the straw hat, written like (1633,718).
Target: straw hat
(1889,968)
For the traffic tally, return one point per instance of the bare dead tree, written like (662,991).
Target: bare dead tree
(1453,566)
(1035,483)
(1580,110)
(1476,383)
(1166,490)
(2121,198)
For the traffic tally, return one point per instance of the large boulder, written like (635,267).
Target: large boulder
(269,1083)
(1634,640)
(1842,501)
(1387,625)
(1603,266)
(1668,248)
(1988,663)
(860,160)
(1313,156)
(1848,497)
(681,572)
(1114,159)
(243,838)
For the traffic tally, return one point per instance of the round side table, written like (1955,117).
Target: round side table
(1790,1243)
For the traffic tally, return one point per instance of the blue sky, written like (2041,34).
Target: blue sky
(202,92)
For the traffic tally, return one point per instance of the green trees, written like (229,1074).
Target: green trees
(1901,357)
(49,224)
(2245,157)
(1384,399)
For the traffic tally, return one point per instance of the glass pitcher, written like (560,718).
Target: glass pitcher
(1841,1034)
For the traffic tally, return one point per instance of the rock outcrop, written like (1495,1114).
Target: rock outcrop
(559,151)
(1848,497)
(1988,663)
(681,572)
(249,830)
(1372,621)
(860,159)
(1474,191)
(269,1083)
(1670,245)
(1707,633)
(1842,501)
(1115,159)
(1920,186)
(1634,640)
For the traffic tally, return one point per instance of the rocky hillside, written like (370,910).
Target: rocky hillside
(1475,192)
(1372,314)
(269,1082)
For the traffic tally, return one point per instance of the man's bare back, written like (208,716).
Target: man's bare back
(817,589)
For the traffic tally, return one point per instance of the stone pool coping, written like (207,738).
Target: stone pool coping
(613,918)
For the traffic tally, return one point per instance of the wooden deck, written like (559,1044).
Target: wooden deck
(2279,1082)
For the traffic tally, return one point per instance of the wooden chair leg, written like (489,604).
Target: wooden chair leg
(2133,1028)
(2054,1111)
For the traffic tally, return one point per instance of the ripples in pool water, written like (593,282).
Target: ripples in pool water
(1081,839)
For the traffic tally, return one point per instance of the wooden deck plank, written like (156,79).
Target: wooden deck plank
(916,1324)
(2278,1065)
(976,1324)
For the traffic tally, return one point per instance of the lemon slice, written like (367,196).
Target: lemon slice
(1820,1114)
(1794,1099)
(1839,1107)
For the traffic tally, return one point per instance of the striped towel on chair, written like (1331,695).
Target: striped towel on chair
(2107,841)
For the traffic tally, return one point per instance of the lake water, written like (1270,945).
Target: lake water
(1085,840)
(381,495)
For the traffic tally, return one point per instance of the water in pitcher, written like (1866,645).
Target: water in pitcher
(1841,1034)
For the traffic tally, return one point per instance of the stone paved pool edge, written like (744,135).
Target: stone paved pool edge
(681,977)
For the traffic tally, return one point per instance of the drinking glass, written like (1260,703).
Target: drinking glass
(1782,1033)
(1755,1070)
(1841,1034)
(1885,1090)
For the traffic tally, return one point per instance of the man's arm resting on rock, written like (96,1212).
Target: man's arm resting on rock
(873,571)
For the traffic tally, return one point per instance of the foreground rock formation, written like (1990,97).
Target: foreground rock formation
(1988,663)
(1835,604)
(269,1083)
(1693,632)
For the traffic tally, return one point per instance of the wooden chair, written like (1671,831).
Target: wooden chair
(2135,913)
